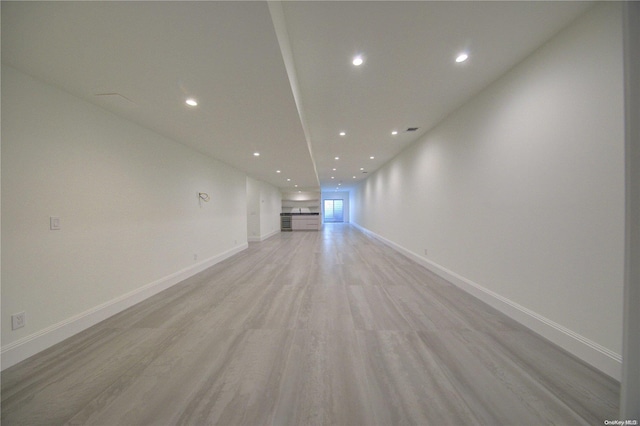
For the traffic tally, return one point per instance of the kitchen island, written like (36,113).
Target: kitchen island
(300,221)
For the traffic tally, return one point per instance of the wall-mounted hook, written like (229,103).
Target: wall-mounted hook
(204,196)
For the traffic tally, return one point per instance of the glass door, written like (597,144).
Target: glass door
(333,211)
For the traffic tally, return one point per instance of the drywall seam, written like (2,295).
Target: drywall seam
(28,346)
(585,349)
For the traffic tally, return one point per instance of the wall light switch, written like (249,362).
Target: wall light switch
(54,223)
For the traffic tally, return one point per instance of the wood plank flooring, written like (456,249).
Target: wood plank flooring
(309,328)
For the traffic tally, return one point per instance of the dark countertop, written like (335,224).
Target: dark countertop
(299,214)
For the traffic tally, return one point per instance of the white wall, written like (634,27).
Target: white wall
(518,196)
(300,199)
(253,209)
(131,222)
(270,208)
(337,195)
(264,202)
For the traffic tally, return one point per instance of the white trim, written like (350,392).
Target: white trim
(630,388)
(587,350)
(263,237)
(28,346)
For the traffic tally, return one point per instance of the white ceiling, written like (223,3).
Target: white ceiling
(266,84)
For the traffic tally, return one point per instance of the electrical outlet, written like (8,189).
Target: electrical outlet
(18,320)
(54,223)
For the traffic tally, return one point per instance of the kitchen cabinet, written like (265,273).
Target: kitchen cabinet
(305,222)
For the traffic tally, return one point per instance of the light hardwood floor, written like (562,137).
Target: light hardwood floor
(309,328)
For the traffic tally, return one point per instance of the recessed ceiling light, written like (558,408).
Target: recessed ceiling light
(395,132)
(334,169)
(337,158)
(278,171)
(354,177)
(256,154)
(295,186)
(361,168)
(462,57)
(191,102)
(343,133)
(288,180)
(357,61)
(372,157)
(333,177)
(339,184)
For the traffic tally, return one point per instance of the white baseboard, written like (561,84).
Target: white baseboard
(28,346)
(270,234)
(254,239)
(585,349)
